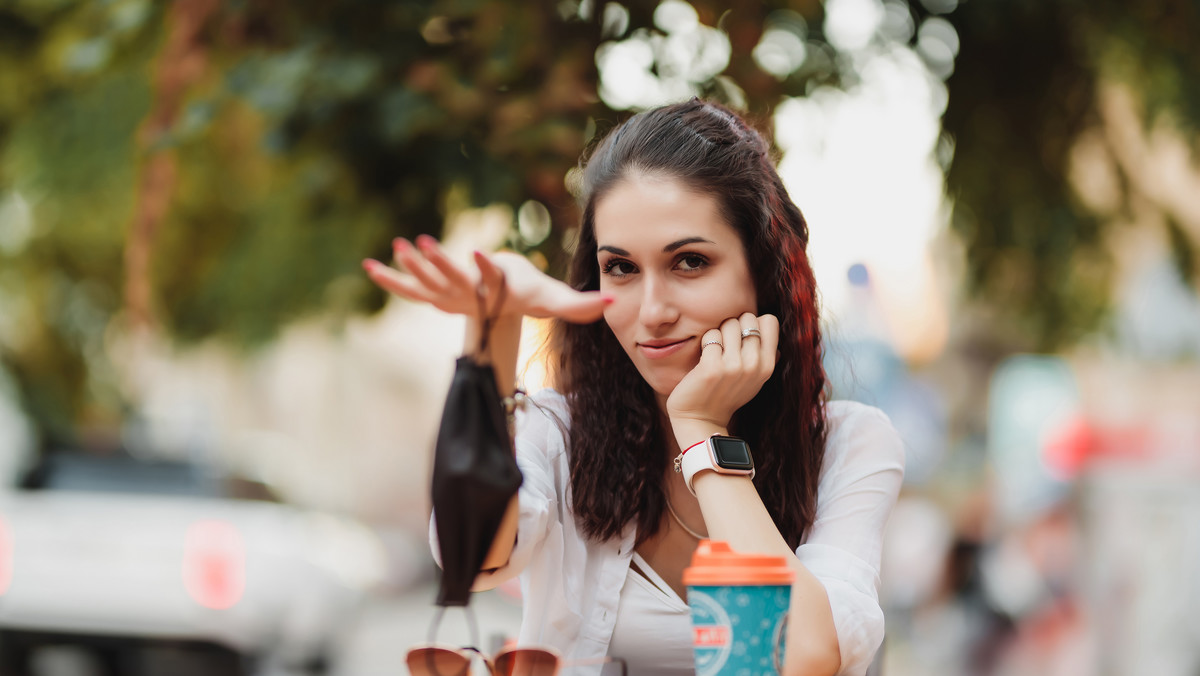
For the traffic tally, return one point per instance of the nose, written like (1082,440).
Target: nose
(658,306)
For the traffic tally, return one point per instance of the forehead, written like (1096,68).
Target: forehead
(649,210)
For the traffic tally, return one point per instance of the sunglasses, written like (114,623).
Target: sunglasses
(438,660)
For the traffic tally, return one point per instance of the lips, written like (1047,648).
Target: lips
(661,343)
(657,349)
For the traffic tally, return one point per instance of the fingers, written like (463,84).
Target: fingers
(395,282)
(455,275)
(749,343)
(536,294)
(492,276)
(490,271)
(417,265)
(731,335)
(578,307)
(427,275)
(712,346)
(760,340)
(768,326)
(750,333)
(586,308)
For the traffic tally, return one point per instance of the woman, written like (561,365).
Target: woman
(693,254)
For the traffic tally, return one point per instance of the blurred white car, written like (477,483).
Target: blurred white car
(152,568)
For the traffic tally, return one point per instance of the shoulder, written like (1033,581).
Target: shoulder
(862,435)
(546,406)
(844,414)
(544,420)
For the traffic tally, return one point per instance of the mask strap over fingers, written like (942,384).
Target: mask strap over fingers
(488,318)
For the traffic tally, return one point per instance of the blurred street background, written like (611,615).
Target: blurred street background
(216,434)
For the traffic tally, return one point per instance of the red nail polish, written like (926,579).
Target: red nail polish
(370,265)
(400,244)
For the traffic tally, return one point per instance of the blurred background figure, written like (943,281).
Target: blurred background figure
(1004,203)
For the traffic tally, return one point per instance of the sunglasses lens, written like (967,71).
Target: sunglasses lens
(526,662)
(437,662)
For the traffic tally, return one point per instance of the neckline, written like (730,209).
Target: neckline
(657,580)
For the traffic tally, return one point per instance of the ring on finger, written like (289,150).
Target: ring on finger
(712,342)
(746,333)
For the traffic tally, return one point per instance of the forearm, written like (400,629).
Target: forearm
(506,537)
(734,512)
(502,345)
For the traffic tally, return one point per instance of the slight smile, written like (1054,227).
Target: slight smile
(657,349)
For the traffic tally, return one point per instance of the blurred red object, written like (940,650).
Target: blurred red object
(1071,446)
(214,564)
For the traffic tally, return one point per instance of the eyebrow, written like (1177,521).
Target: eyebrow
(677,244)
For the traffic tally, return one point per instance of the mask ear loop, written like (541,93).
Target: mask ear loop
(488,318)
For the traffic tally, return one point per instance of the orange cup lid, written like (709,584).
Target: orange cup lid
(715,563)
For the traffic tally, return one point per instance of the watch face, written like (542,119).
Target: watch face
(732,453)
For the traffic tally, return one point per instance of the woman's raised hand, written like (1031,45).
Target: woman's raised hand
(735,361)
(425,274)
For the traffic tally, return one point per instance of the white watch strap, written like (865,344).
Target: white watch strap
(698,459)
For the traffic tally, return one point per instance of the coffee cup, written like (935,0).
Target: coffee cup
(739,605)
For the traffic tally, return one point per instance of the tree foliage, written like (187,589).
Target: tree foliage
(1024,90)
(218,169)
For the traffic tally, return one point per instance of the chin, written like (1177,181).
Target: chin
(661,380)
(662,386)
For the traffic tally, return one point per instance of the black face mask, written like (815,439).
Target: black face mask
(475,473)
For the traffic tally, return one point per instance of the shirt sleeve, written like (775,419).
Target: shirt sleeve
(540,437)
(859,484)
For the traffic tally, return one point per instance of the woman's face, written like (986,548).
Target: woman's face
(675,269)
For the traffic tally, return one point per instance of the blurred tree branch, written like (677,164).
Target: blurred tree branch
(182,62)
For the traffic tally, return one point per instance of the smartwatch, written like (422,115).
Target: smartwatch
(721,454)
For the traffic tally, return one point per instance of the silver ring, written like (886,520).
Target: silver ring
(746,333)
(713,342)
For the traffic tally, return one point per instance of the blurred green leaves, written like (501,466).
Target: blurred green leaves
(72,93)
(310,134)
(1025,89)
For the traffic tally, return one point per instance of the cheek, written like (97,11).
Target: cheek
(740,296)
(616,316)
(722,301)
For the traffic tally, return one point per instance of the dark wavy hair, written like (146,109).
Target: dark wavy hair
(617,437)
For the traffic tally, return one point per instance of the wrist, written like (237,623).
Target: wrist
(689,431)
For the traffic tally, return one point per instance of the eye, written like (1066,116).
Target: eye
(618,267)
(691,262)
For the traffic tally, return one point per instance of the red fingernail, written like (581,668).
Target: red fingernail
(608,299)
(370,265)
(400,244)
(425,241)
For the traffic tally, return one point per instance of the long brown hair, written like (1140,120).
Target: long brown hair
(617,439)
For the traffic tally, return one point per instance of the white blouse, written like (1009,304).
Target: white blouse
(653,633)
(571,585)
